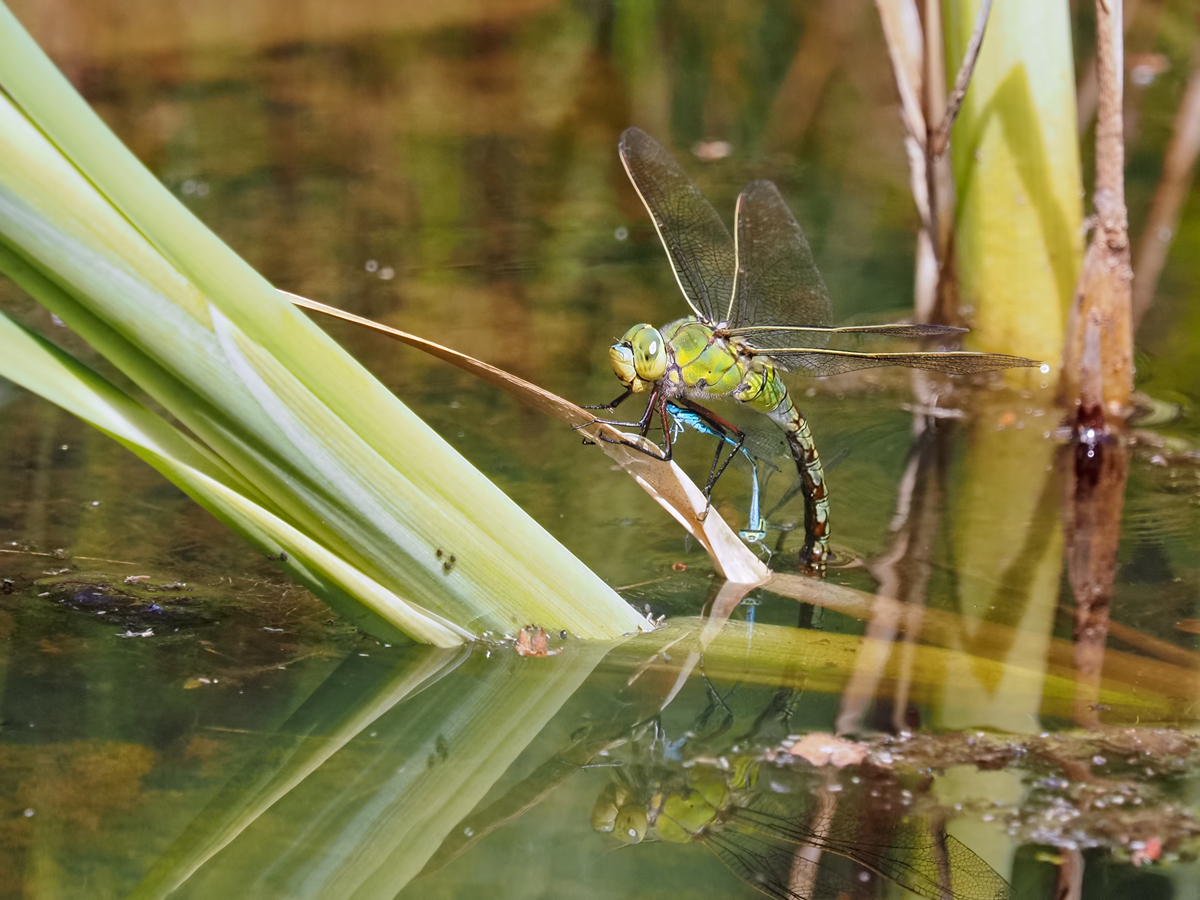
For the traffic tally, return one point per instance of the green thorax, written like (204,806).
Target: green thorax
(703,365)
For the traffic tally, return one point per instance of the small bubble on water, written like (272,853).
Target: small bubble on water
(469,831)
(387,273)
(621,233)
(29,813)
(1098,760)
(189,187)
(1044,368)
(372,266)
(201,189)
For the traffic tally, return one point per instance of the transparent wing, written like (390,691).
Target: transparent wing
(902,329)
(695,238)
(778,869)
(819,362)
(777,280)
(917,856)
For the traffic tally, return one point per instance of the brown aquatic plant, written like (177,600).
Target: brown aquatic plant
(1097,372)
(928,114)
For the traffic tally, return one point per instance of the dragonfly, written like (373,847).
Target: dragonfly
(760,836)
(758,307)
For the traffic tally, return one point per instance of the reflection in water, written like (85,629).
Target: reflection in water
(1094,473)
(449,168)
(777,829)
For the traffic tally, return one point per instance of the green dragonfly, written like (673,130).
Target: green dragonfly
(760,835)
(759,306)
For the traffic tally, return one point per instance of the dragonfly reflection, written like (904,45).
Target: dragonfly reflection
(766,835)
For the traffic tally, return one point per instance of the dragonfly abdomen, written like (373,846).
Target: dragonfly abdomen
(763,390)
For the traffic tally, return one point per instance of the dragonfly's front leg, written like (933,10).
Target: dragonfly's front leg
(615,403)
(657,403)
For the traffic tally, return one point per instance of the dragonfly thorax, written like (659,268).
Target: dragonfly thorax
(639,358)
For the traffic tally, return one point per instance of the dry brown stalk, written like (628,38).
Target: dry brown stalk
(941,138)
(1087,94)
(1104,292)
(915,50)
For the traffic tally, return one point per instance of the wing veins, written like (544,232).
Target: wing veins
(900,329)
(690,250)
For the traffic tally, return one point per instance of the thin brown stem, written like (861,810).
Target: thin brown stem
(1087,94)
(939,140)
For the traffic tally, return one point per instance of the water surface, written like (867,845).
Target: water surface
(176,715)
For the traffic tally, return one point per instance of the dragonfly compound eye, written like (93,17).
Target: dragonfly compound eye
(649,352)
(631,823)
(604,813)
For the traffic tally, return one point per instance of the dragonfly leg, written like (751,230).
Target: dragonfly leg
(657,402)
(651,453)
(615,403)
(661,402)
(723,429)
(642,424)
(714,474)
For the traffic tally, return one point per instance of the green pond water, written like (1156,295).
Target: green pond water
(177,719)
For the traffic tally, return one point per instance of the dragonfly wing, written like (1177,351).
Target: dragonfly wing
(777,280)
(917,855)
(779,869)
(899,329)
(820,362)
(695,238)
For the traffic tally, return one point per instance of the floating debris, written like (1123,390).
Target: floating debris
(828,750)
(532,641)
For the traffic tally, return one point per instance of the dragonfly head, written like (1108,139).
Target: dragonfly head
(640,357)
